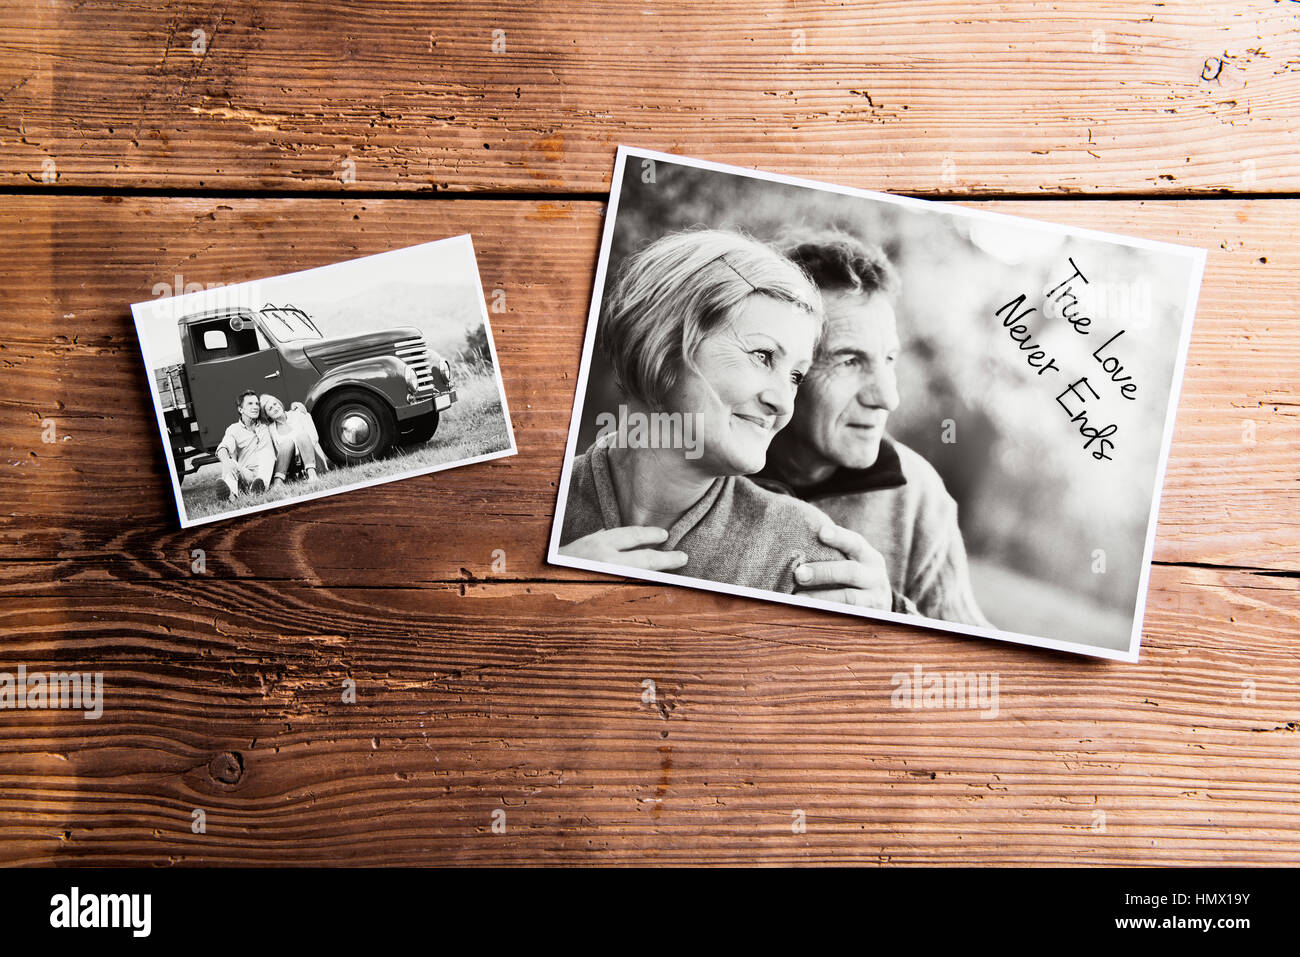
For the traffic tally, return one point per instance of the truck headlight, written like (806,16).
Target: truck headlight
(446,371)
(412,381)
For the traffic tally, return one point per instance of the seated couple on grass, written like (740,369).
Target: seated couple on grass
(267,445)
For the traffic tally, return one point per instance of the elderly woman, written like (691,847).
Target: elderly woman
(714,328)
(293,432)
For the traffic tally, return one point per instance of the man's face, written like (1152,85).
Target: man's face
(850,390)
(250,407)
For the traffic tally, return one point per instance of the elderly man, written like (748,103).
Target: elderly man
(246,453)
(835,453)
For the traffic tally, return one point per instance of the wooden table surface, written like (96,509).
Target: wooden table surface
(227,141)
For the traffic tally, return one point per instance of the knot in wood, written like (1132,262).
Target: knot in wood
(227,767)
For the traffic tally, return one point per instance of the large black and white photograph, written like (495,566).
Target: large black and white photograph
(882,406)
(322,381)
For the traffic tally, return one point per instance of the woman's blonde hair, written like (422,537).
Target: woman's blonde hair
(261,400)
(681,288)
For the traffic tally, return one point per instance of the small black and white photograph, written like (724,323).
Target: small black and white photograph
(882,406)
(305,385)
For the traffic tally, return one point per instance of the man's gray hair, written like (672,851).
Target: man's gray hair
(840,262)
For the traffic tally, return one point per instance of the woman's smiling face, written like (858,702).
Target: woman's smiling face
(743,383)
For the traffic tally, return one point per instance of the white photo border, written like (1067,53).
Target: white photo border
(1129,654)
(187,522)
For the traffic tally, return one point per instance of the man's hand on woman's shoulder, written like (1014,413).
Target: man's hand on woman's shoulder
(860,579)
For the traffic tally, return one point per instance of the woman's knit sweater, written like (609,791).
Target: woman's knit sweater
(737,533)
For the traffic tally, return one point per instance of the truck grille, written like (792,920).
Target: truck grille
(416,355)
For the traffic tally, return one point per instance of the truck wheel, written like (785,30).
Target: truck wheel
(355,426)
(421,430)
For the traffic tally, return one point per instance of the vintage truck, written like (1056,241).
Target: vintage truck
(367,393)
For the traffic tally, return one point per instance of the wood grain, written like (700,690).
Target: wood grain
(130,154)
(70,353)
(225,696)
(952,98)
(522,691)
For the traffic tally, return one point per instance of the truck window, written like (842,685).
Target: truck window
(289,323)
(216,340)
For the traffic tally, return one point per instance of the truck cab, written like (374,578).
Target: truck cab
(367,393)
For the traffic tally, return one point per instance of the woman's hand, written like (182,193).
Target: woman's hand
(860,580)
(630,546)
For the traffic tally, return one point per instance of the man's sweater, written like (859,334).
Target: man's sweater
(737,533)
(901,507)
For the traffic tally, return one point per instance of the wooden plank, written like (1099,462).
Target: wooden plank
(522,690)
(950,98)
(225,696)
(69,353)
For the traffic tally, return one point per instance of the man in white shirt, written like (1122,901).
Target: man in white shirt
(246,453)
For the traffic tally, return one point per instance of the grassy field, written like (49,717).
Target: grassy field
(474,425)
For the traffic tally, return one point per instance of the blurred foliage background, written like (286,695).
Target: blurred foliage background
(1055,537)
